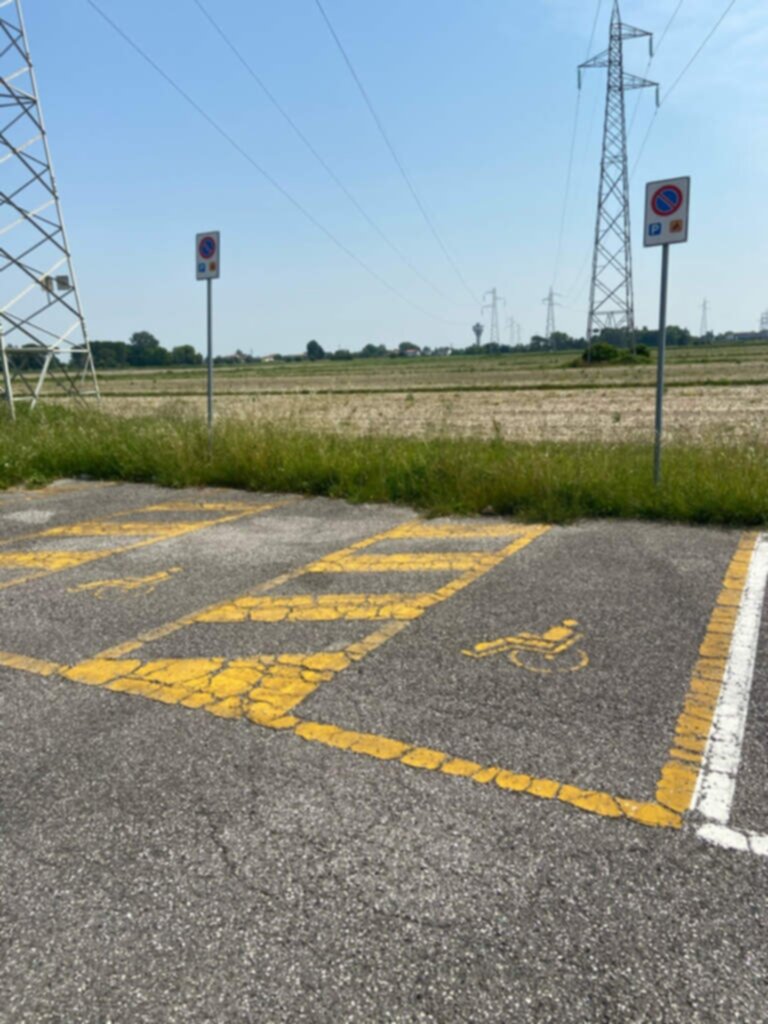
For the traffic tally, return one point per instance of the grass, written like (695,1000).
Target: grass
(538,481)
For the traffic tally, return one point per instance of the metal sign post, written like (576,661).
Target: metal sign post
(666,223)
(207,267)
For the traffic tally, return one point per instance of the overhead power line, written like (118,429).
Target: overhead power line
(653,56)
(387,141)
(261,170)
(679,78)
(569,172)
(312,149)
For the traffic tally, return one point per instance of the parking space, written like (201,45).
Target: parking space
(307,651)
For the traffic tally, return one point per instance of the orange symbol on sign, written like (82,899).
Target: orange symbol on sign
(676,227)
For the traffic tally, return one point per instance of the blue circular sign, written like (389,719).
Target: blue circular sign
(666,200)
(207,247)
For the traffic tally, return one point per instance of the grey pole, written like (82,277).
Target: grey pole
(209,282)
(660,364)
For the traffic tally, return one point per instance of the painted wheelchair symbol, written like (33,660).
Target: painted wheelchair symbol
(554,650)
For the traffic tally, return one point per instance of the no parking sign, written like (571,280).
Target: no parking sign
(666,211)
(207,256)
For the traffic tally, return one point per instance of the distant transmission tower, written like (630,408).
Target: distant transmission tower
(611,302)
(43,337)
(551,304)
(511,329)
(764,321)
(704,327)
(493,305)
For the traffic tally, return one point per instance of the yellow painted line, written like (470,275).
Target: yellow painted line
(265,686)
(321,608)
(524,536)
(107,528)
(128,584)
(27,664)
(48,561)
(427,759)
(437,531)
(43,562)
(443,561)
(268,688)
(680,773)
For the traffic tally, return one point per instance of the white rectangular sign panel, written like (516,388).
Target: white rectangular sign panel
(666,211)
(207,255)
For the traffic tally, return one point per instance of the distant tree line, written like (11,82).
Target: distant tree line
(142,349)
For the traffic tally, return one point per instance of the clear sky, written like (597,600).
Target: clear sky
(478,98)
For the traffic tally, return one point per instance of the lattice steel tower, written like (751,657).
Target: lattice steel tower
(611,302)
(493,305)
(43,338)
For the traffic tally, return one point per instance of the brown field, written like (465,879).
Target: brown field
(718,393)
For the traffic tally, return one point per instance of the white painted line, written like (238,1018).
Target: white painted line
(716,786)
(734,839)
(723,835)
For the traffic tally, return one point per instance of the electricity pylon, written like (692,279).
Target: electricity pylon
(704,328)
(764,321)
(43,336)
(611,302)
(511,328)
(493,305)
(551,304)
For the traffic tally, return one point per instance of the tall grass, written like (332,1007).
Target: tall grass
(539,481)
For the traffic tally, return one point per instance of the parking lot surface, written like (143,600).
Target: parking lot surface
(270,758)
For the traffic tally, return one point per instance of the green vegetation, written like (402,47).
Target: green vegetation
(602,352)
(541,481)
(143,349)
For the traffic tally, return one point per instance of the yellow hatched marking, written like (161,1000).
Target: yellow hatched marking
(447,561)
(43,562)
(48,561)
(106,528)
(321,608)
(131,584)
(267,689)
(524,535)
(680,772)
(439,531)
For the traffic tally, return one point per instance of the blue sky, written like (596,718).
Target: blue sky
(478,98)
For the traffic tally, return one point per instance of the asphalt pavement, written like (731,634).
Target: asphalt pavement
(278,759)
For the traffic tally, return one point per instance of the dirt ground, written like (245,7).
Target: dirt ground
(692,414)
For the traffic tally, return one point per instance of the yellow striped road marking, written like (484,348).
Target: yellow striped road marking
(265,687)
(678,776)
(129,584)
(42,561)
(268,689)
(680,773)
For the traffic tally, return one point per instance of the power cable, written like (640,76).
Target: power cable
(261,170)
(709,35)
(651,60)
(569,172)
(406,178)
(677,81)
(320,159)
